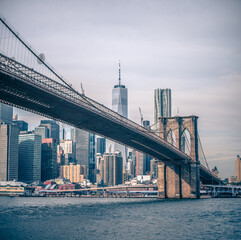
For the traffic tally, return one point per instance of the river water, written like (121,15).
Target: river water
(121,218)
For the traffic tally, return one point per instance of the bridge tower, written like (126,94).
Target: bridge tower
(179,180)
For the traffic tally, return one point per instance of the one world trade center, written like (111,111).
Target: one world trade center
(120,105)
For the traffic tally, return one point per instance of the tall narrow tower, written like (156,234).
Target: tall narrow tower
(162,103)
(120,105)
(120,97)
(238,168)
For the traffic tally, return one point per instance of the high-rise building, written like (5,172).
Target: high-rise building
(99,165)
(84,150)
(43,131)
(53,128)
(75,173)
(22,125)
(8,152)
(101,145)
(238,168)
(29,157)
(130,168)
(140,163)
(147,158)
(60,156)
(113,169)
(49,166)
(120,105)
(154,168)
(6,113)
(68,148)
(162,103)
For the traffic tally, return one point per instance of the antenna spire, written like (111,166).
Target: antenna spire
(119,73)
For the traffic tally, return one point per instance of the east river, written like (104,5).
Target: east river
(119,218)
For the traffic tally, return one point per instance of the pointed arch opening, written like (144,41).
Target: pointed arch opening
(171,138)
(186,142)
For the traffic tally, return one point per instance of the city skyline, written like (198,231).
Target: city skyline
(207,84)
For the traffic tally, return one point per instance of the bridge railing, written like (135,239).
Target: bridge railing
(27,74)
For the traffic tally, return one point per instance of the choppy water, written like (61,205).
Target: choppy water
(80,218)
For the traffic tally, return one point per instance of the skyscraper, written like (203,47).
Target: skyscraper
(8,152)
(238,168)
(120,98)
(84,150)
(99,166)
(6,113)
(29,157)
(49,166)
(140,163)
(112,168)
(101,145)
(147,158)
(22,125)
(162,103)
(43,131)
(120,105)
(53,128)
(68,148)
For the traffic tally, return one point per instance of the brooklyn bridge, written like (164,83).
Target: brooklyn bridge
(28,82)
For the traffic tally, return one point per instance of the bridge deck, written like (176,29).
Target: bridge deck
(25,88)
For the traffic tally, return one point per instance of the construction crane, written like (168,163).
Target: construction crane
(141,116)
(82,89)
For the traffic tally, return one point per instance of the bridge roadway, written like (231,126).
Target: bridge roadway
(27,89)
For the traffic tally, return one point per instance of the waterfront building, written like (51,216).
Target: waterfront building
(238,168)
(232,179)
(101,145)
(8,152)
(49,166)
(29,157)
(6,113)
(84,150)
(216,172)
(53,128)
(113,168)
(74,173)
(43,131)
(12,188)
(120,105)
(162,103)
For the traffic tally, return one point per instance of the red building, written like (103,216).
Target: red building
(66,187)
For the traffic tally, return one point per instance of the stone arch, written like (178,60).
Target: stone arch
(178,125)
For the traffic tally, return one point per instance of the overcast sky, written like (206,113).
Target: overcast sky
(192,47)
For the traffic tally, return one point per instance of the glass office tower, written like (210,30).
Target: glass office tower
(120,105)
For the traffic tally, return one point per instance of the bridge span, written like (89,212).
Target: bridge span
(24,87)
